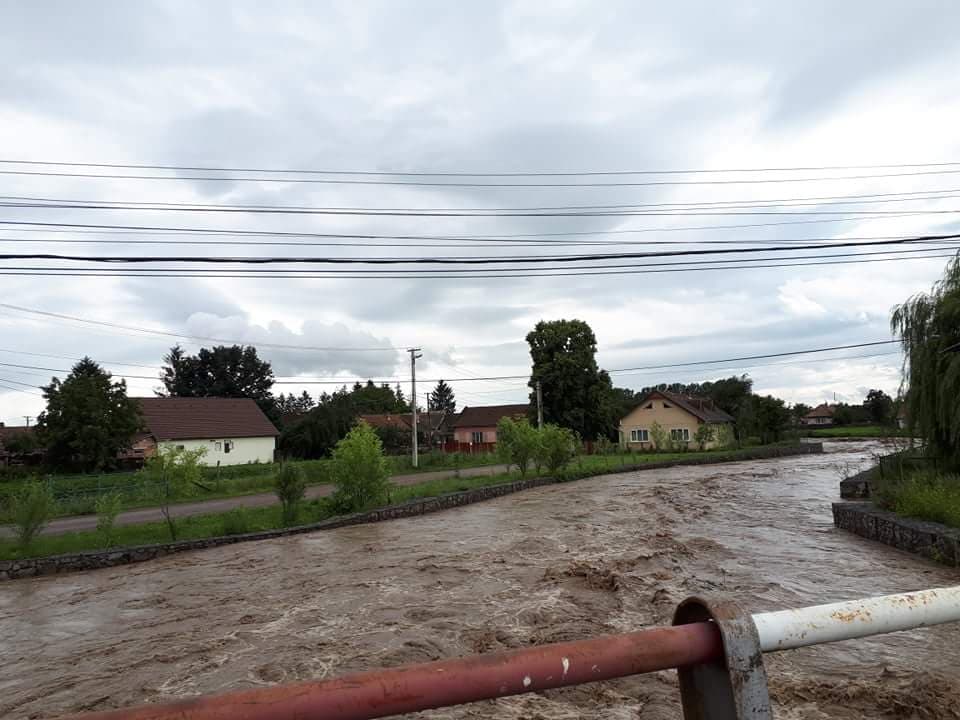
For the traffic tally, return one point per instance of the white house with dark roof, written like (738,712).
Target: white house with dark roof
(234,431)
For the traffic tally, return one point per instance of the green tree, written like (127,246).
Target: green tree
(442,399)
(517,443)
(108,507)
(703,435)
(88,419)
(234,371)
(556,447)
(359,470)
(660,437)
(294,404)
(799,410)
(29,510)
(576,393)
(173,473)
(290,487)
(879,406)
(928,325)
(770,416)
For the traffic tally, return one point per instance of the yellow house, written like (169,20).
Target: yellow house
(679,416)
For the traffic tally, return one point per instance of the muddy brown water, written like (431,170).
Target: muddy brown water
(608,554)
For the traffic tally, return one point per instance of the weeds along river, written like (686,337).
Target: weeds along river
(608,554)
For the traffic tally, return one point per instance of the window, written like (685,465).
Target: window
(667,405)
(476,436)
(179,447)
(218,446)
(639,435)
(650,406)
(227,445)
(680,434)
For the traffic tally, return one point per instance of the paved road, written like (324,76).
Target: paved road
(145,515)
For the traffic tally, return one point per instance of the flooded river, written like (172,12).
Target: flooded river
(608,554)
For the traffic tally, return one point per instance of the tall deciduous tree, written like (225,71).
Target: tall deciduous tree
(88,419)
(880,407)
(442,399)
(929,327)
(576,393)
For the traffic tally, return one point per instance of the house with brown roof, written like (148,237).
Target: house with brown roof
(433,427)
(478,425)
(680,416)
(820,415)
(233,431)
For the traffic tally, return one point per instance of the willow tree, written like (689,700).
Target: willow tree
(929,327)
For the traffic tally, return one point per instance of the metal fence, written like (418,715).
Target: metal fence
(717,648)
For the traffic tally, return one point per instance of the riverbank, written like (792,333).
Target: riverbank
(434,497)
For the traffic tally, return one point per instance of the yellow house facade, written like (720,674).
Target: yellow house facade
(679,417)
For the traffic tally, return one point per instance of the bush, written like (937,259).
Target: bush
(556,448)
(928,495)
(171,474)
(359,470)
(517,443)
(30,509)
(290,487)
(704,435)
(107,508)
(236,522)
(662,441)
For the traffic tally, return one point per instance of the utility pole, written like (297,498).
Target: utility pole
(539,406)
(28,418)
(413,399)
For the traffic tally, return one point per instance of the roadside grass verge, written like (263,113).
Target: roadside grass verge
(239,521)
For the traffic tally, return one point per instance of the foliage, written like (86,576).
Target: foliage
(799,410)
(29,510)
(765,417)
(107,507)
(394,439)
(660,437)
(929,327)
(556,447)
(88,419)
(517,443)
(237,522)
(729,394)
(235,372)
(294,404)
(704,434)
(576,393)
(725,437)
(927,495)
(359,470)
(880,407)
(290,487)
(172,474)
(316,434)
(442,399)
(21,443)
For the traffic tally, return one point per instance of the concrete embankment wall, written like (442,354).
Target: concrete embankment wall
(29,567)
(931,540)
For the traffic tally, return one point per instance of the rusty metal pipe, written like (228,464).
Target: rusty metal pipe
(382,693)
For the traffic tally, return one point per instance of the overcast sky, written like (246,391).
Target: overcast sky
(476,87)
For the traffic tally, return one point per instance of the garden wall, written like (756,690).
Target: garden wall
(29,567)
(931,540)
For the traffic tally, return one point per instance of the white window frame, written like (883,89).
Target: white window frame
(217,446)
(639,435)
(476,437)
(228,445)
(680,434)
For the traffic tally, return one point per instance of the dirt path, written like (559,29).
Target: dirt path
(201,507)
(561,562)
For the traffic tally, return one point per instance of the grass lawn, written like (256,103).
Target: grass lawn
(244,520)
(76,494)
(855,431)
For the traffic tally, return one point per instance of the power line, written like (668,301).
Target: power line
(461,184)
(192,337)
(451,260)
(411,275)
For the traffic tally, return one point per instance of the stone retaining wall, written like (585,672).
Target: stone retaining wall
(931,540)
(29,567)
(857,487)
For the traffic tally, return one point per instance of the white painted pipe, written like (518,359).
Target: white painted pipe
(788,629)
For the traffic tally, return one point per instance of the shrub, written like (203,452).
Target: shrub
(30,509)
(236,522)
(517,443)
(359,470)
(107,508)
(556,448)
(290,487)
(661,438)
(725,438)
(172,473)
(704,435)
(929,496)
